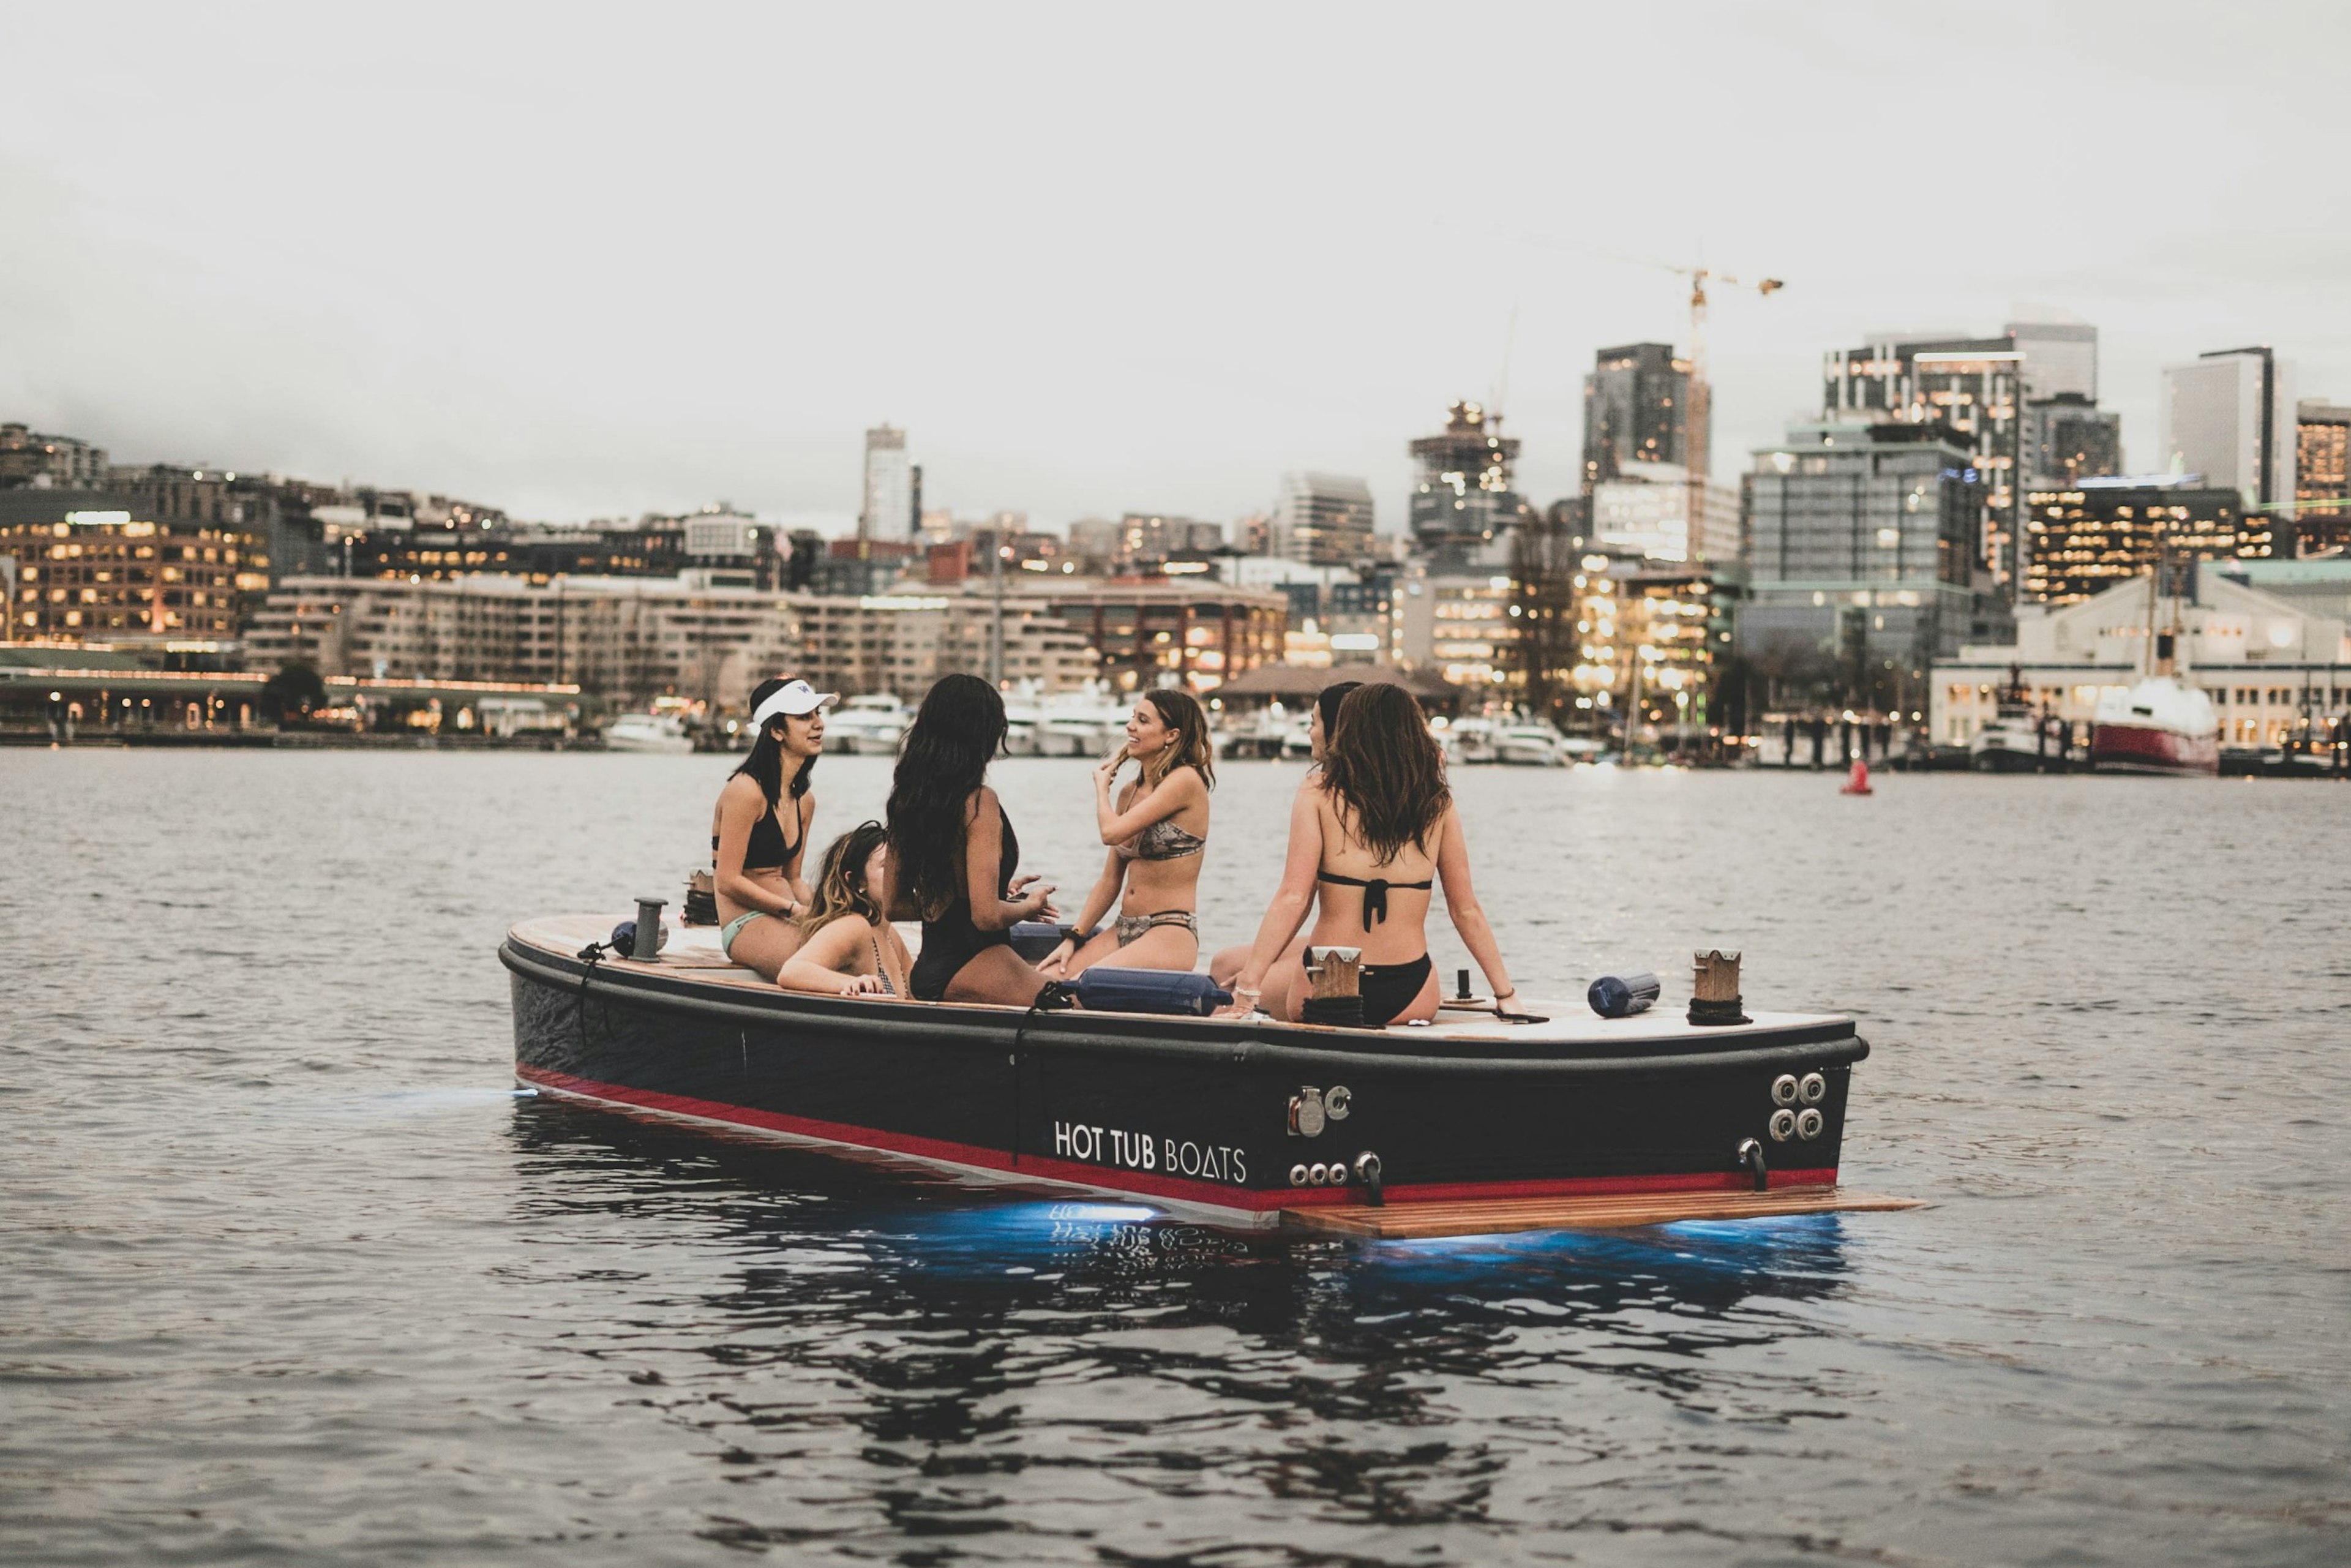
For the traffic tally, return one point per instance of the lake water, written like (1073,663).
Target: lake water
(287,1272)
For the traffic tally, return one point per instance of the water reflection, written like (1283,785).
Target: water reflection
(961,1337)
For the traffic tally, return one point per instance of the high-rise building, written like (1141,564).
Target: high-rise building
(2082,538)
(889,512)
(2229,416)
(1646,512)
(34,461)
(1635,409)
(1463,507)
(2068,439)
(1861,556)
(1324,519)
(2061,358)
(2322,473)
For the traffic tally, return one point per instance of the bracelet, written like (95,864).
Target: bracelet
(1249,990)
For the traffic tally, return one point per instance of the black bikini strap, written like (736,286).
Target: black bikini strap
(1375,893)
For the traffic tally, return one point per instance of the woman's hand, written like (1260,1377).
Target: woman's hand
(1106,771)
(861,985)
(1056,964)
(1031,897)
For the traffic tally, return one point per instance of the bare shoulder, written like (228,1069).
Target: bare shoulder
(743,790)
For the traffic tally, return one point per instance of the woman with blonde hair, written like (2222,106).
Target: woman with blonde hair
(848,947)
(1370,837)
(1157,830)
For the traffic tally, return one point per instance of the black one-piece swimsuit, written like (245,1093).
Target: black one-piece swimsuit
(952,940)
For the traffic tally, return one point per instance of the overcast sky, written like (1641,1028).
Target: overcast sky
(588,261)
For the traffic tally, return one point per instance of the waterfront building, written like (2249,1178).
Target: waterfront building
(1149,630)
(2229,415)
(30,460)
(2273,669)
(1637,406)
(1461,627)
(627,639)
(2320,586)
(1646,511)
(2068,439)
(1861,559)
(1324,519)
(1337,614)
(891,508)
(903,643)
(2322,473)
(1463,507)
(96,566)
(2082,539)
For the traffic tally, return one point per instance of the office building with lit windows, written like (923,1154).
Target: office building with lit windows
(1862,543)
(1462,505)
(93,566)
(2321,473)
(1324,519)
(1973,389)
(2069,438)
(1635,409)
(2083,539)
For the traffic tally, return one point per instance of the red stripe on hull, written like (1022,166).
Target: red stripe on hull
(2146,749)
(1073,1172)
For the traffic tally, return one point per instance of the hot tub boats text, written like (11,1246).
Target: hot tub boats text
(1237,1121)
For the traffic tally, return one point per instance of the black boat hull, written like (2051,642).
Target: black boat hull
(1191,1112)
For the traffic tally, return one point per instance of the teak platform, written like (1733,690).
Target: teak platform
(1609,1211)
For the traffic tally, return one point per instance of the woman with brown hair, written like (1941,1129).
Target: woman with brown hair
(848,947)
(1157,830)
(1370,836)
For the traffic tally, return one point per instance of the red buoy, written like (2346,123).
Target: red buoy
(1858,782)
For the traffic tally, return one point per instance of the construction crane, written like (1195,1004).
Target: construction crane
(1698,440)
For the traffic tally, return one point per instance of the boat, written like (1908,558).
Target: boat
(1470,740)
(867,724)
(1536,745)
(1241,1122)
(1081,723)
(2161,724)
(2013,741)
(655,732)
(2156,726)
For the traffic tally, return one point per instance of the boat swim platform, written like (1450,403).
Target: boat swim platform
(1604,1211)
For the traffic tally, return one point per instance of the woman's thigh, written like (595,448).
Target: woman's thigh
(765,944)
(996,975)
(1228,964)
(1285,983)
(1163,947)
(1098,951)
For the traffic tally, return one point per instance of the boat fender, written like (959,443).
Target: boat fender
(1749,1156)
(1367,1171)
(1103,990)
(1622,995)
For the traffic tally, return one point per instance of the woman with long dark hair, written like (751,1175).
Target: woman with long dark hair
(760,828)
(848,947)
(953,850)
(1226,964)
(1157,830)
(1370,836)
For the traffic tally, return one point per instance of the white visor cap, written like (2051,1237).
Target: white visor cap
(795,699)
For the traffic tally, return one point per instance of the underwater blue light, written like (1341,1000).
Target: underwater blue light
(1105,1213)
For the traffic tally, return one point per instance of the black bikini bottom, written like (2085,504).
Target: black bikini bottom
(1389,988)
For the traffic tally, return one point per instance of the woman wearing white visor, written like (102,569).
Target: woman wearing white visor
(758,834)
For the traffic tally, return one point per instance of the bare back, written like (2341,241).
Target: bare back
(1340,919)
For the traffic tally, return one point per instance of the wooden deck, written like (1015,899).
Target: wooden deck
(1612,1211)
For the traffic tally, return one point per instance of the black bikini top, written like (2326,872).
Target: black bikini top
(1375,893)
(766,849)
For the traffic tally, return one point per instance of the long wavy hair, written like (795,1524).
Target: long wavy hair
(1386,771)
(766,763)
(841,880)
(1181,711)
(942,761)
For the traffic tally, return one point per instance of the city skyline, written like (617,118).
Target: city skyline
(1067,325)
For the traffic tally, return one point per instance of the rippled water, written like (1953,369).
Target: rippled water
(286,1270)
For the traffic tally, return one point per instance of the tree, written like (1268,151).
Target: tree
(290,694)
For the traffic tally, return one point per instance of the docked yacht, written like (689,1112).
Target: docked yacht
(652,732)
(1529,745)
(1079,723)
(2012,742)
(867,725)
(2158,726)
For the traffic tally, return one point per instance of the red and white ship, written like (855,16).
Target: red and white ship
(2158,725)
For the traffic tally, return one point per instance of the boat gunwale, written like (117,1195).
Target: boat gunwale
(1306,1047)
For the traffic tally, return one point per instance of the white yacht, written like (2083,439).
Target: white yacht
(868,725)
(1529,745)
(1081,723)
(657,732)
